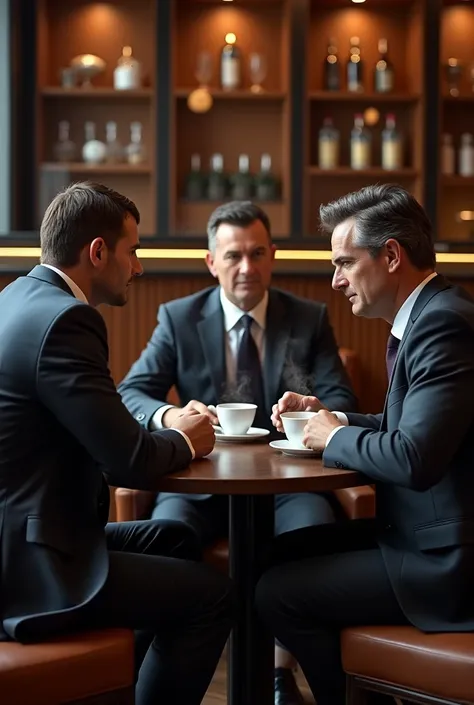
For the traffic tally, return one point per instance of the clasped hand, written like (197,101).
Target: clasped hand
(317,429)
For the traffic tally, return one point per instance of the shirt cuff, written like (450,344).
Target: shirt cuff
(190,445)
(156,421)
(343,419)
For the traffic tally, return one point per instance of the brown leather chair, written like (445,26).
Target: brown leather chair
(89,668)
(408,664)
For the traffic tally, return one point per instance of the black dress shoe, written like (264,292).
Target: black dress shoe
(286,690)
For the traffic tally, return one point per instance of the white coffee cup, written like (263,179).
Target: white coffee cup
(234,418)
(293,425)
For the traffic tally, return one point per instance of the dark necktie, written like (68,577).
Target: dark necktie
(249,371)
(392,350)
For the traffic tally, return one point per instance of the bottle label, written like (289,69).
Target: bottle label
(126,78)
(328,154)
(360,155)
(391,154)
(384,81)
(466,161)
(230,72)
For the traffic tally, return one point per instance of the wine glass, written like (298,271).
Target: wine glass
(453,76)
(258,72)
(203,71)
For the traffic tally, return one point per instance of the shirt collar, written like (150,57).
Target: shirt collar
(401,319)
(233,314)
(78,293)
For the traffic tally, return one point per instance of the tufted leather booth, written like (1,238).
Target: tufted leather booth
(409,665)
(89,668)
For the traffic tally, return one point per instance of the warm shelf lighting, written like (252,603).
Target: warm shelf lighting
(230,38)
(466,215)
(358,2)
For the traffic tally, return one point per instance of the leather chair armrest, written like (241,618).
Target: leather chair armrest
(357,502)
(131,505)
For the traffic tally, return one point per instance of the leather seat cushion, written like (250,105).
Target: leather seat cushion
(435,664)
(218,555)
(69,668)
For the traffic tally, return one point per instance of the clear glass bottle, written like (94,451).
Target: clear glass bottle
(135,150)
(93,150)
(355,67)
(384,75)
(64,149)
(230,63)
(448,156)
(217,182)
(361,144)
(328,145)
(127,74)
(115,150)
(241,183)
(195,187)
(267,186)
(332,74)
(392,147)
(466,155)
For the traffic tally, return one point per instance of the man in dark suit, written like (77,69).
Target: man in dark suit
(198,347)
(414,562)
(63,424)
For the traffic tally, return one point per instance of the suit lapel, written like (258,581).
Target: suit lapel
(277,336)
(211,335)
(435,286)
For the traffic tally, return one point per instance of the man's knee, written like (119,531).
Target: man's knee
(175,539)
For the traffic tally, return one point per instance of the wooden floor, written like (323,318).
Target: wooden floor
(217,693)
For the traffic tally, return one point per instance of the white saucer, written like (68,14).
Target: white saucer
(286,448)
(252,434)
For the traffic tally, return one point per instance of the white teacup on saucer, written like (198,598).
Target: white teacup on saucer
(236,418)
(293,425)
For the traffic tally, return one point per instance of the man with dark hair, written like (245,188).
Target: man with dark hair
(62,425)
(413,563)
(198,346)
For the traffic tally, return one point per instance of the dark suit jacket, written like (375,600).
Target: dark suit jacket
(62,423)
(420,453)
(187,349)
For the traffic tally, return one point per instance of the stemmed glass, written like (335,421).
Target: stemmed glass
(258,72)
(203,71)
(453,76)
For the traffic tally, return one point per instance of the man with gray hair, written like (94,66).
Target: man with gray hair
(413,563)
(198,347)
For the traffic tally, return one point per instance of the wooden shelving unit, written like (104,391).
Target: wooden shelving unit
(455,192)
(66,30)
(373,173)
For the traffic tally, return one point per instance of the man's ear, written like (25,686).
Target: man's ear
(210,264)
(98,252)
(394,254)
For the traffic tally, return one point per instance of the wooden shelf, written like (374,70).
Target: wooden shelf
(243,94)
(466,98)
(82,168)
(59,92)
(345,96)
(362,173)
(457,180)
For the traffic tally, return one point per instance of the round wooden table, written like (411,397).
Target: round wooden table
(252,474)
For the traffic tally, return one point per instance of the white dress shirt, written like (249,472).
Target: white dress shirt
(234,330)
(79,294)
(398,329)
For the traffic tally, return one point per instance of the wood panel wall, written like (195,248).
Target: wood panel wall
(130,327)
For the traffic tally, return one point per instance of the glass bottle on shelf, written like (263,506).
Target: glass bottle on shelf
(93,150)
(332,76)
(266,183)
(392,148)
(355,67)
(448,157)
(217,182)
(127,74)
(135,151)
(114,153)
(466,155)
(195,187)
(241,182)
(328,145)
(361,144)
(230,63)
(384,75)
(64,149)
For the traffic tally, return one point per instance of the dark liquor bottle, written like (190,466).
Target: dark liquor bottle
(216,181)
(242,182)
(384,73)
(332,75)
(355,67)
(195,189)
(267,187)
